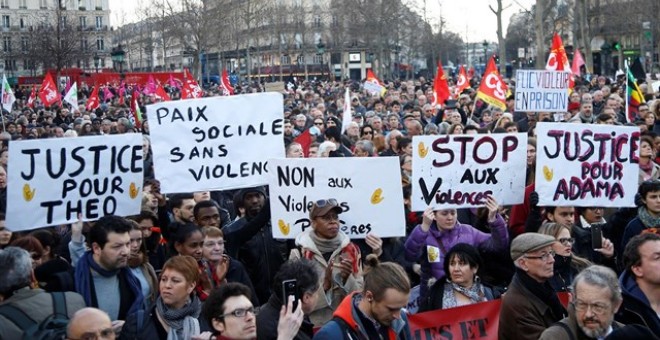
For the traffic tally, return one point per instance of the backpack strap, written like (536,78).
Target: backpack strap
(59,304)
(347,332)
(17,316)
(566,329)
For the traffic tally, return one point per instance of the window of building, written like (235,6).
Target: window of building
(21,22)
(301,59)
(63,21)
(317,21)
(99,5)
(25,44)
(43,4)
(6,44)
(99,22)
(84,45)
(318,59)
(83,22)
(10,64)
(4,3)
(285,60)
(5,21)
(99,44)
(22,4)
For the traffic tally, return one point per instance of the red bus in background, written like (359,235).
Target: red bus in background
(106,76)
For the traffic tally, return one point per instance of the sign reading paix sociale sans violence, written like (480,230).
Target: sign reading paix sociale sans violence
(51,181)
(461,171)
(367,189)
(587,165)
(215,143)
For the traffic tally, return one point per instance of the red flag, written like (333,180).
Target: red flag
(49,94)
(558,60)
(122,92)
(33,97)
(160,93)
(190,87)
(578,62)
(305,139)
(463,82)
(372,77)
(225,85)
(440,87)
(93,101)
(493,89)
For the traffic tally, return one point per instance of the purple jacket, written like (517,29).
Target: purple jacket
(462,233)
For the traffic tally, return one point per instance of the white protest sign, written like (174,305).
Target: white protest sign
(51,181)
(586,165)
(541,90)
(460,171)
(368,190)
(215,143)
(373,87)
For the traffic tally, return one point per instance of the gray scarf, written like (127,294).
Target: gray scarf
(326,245)
(183,322)
(475,293)
(646,218)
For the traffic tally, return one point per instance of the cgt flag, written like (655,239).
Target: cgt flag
(32,98)
(463,82)
(440,87)
(49,94)
(93,102)
(558,60)
(493,89)
(225,84)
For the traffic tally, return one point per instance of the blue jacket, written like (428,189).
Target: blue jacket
(636,308)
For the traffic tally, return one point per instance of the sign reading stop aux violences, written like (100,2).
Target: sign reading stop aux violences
(493,89)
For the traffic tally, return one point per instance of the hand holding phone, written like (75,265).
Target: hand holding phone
(290,288)
(596,236)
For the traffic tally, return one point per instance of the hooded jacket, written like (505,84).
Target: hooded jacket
(636,308)
(351,327)
(328,301)
(430,247)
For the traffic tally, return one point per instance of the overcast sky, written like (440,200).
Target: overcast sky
(471,18)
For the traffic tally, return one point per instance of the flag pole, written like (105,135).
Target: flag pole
(625,62)
(2,109)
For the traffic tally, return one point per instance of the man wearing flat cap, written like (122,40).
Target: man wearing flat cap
(530,304)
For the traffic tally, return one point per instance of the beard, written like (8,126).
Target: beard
(597,332)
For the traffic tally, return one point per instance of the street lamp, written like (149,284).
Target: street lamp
(320,49)
(97,62)
(117,56)
(485,45)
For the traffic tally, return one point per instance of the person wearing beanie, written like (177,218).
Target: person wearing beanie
(530,304)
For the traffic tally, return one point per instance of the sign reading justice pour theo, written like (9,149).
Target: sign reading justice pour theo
(367,189)
(51,181)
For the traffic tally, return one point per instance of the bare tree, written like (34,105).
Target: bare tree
(500,35)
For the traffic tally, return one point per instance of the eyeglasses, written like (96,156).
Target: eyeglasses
(240,312)
(318,123)
(566,240)
(107,333)
(596,308)
(367,133)
(323,203)
(543,257)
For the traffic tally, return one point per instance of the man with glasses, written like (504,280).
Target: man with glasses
(530,304)
(596,298)
(232,316)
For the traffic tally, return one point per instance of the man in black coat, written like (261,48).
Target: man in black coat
(307,281)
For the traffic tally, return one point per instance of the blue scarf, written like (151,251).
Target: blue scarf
(83,277)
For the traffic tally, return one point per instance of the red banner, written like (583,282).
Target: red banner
(493,89)
(477,321)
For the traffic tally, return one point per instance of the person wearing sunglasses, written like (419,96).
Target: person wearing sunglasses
(233,317)
(567,264)
(334,254)
(530,305)
(175,315)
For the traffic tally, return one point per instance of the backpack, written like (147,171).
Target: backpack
(51,328)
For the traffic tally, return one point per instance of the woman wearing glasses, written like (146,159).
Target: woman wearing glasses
(333,253)
(567,264)
(175,315)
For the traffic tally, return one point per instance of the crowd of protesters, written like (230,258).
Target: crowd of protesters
(205,265)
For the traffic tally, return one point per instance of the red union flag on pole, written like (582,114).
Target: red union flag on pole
(190,87)
(225,84)
(373,85)
(49,94)
(493,89)
(578,62)
(33,97)
(93,101)
(462,82)
(440,87)
(558,60)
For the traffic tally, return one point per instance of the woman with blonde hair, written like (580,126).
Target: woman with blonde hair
(567,264)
